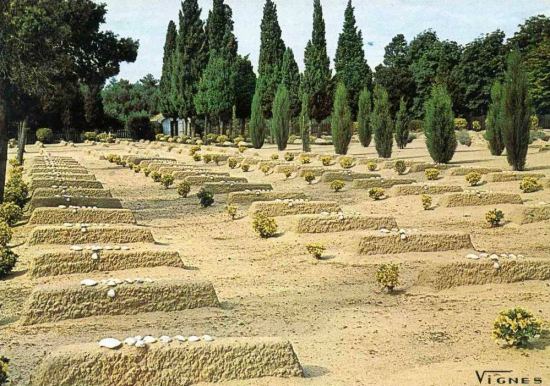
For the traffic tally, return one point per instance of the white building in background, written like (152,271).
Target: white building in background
(167,128)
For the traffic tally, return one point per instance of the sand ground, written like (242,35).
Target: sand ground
(344,328)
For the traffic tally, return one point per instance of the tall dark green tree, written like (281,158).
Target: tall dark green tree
(257,127)
(402,125)
(166,105)
(516,112)
(363,117)
(190,59)
(272,49)
(305,124)
(341,120)
(317,76)
(439,125)
(281,117)
(381,123)
(495,120)
(245,86)
(350,64)
(291,79)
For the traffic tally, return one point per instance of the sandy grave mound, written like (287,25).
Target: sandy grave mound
(64,176)
(385,183)
(181,175)
(409,190)
(169,364)
(462,171)
(199,180)
(530,214)
(56,182)
(293,207)
(250,197)
(391,164)
(54,302)
(442,276)
(512,176)
(50,234)
(44,216)
(325,223)
(71,192)
(479,198)
(422,166)
(286,168)
(228,187)
(346,175)
(316,170)
(386,243)
(75,170)
(100,202)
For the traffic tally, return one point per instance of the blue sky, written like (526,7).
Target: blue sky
(380,20)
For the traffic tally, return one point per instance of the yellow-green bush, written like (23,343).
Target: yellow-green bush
(400,167)
(5,233)
(304,159)
(337,185)
(346,162)
(156,176)
(4,370)
(387,275)
(231,210)
(193,149)
(8,259)
(315,249)
(11,213)
(207,158)
(494,217)
(197,157)
(183,189)
(432,173)
(232,162)
(516,327)
(461,124)
(245,167)
(473,178)
(216,158)
(289,157)
(265,226)
(274,156)
(426,202)
(167,180)
(265,169)
(372,166)
(376,193)
(326,160)
(530,185)
(309,177)
(242,149)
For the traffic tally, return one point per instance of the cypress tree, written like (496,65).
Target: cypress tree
(439,125)
(494,121)
(219,30)
(317,74)
(272,49)
(257,122)
(304,124)
(341,120)
(381,123)
(166,106)
(402,125)
(363,117)
(290,77)
(245,87)
(189,60)
(349,62)
(516,112)
(281,117)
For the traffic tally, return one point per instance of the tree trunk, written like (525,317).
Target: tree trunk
(22,140)
(3,141)
(243,126)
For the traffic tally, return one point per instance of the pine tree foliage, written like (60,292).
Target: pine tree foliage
(245,86)
(439,125)
(281,117)
(304,124)
(341,120)
(402,125)
(381,123)
(257,122)
(516,112)
(166,106)
(290,77)
(495,120)
(363,117)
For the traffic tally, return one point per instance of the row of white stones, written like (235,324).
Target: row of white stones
(142,341)
(99,248)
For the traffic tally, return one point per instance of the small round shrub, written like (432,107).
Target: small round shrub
(372,166)
(309,177)
(326,160)
(4,370)
(461,124)
(193,149)
(183,188)
(376,193)
(146,171)
(231,210)
(242,149)
(274,156)
(387,275)
(304,159)
(426,202)
(156,176)
(516,327)
(16,191)
(167,180)
(473,178)
(7,261)
(530,185)
(415,125)
(5,233)
(464,138)
(205,197)
(11,213)
(232,162)
(315,249)
(494,217)
(265,169)
(90,135)
(476,126)
(264,226)
(197,157)
(400,167)
(207,158)
(222,139)
(346,162)
(432,174)
(289,157)
(137,168)
(337,185)
(288,173)
(245,167)
(44,135)
(216,158)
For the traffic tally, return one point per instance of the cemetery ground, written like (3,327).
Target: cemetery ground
(434,329)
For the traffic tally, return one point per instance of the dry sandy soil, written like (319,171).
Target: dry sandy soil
(344,329)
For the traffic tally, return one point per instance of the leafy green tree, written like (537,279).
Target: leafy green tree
(256,126)
(439,125)
(381,123)
(272,49)
(219,29)
(139,126)
(291,79)
(281,117)
(363,117)
(245,86)
(402,125)
(350,64)
(341,120)
(304,124)
(317,76)
(94,111)
(516,112)
(495,121)
(166,105)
